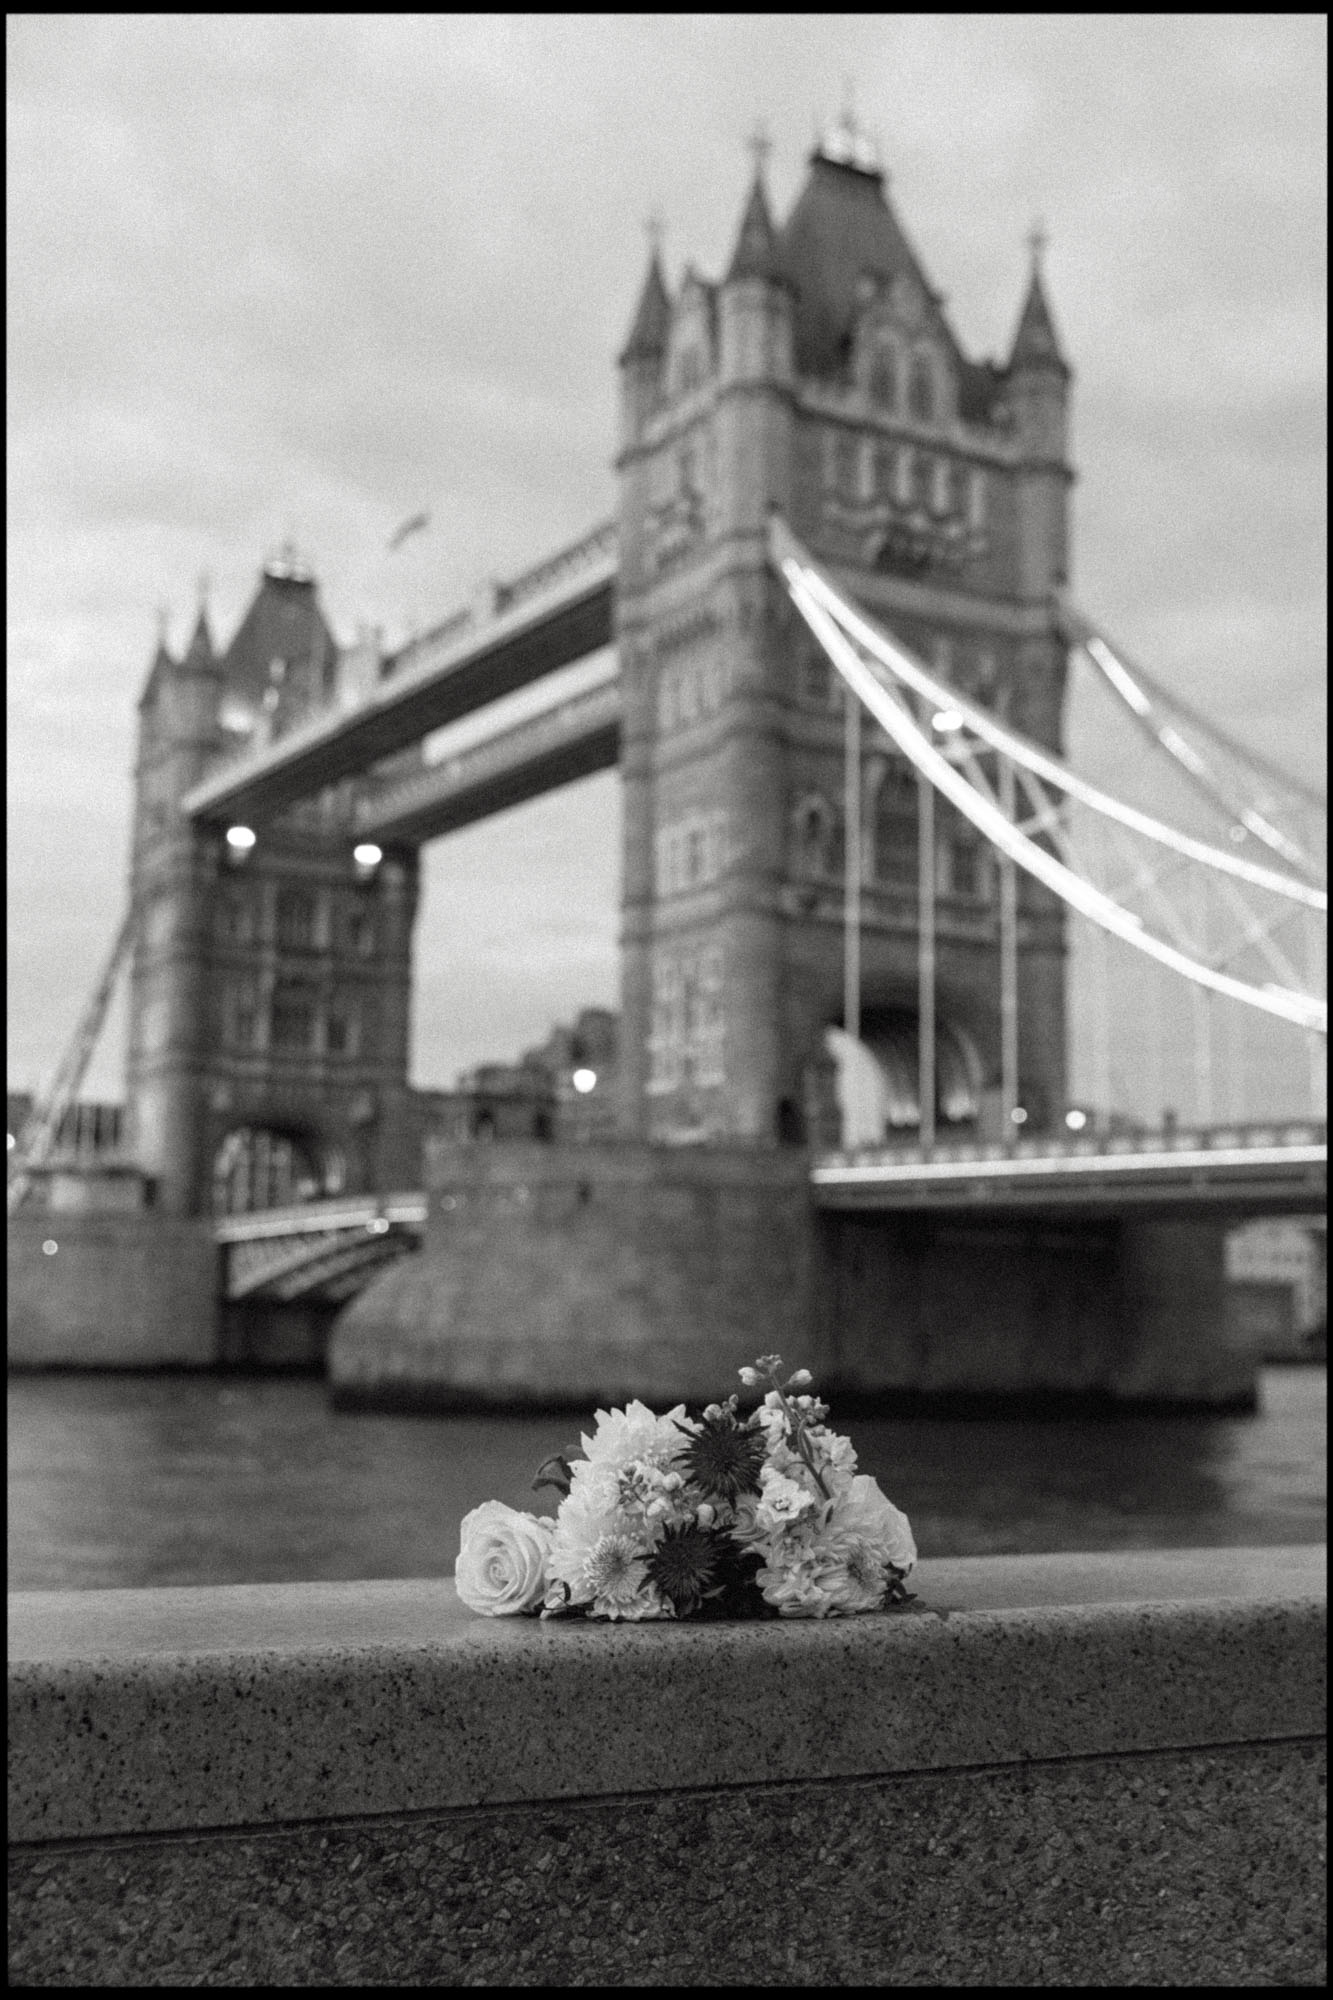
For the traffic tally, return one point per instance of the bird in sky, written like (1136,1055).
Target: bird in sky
(411,526)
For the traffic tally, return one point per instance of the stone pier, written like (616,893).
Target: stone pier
(584,1274)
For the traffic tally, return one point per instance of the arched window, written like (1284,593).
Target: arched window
(814,831)
(297,919)
(292,1017)
(921,399)
(882,381)
(894,829)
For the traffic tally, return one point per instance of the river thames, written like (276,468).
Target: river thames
(117,1480)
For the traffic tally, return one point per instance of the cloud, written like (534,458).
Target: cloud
(306,274)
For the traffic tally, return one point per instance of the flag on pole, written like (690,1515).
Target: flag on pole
(409,527)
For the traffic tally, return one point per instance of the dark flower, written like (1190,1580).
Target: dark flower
(724,1457)
(684,1567)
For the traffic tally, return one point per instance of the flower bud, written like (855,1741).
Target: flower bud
(749,1376)
(705,1514)
(801,1379)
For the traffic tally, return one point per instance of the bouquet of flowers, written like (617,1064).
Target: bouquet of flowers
(715,1516)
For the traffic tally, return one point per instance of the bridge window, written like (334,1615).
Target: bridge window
(904,473)
(359,930)
(883,379)
(815,671)
(967,870)
(941,496)
(895,837)
(292,1022)
(976,499)
(814,831)
(242,1015)
(297,919)
(341,1027)
(921,399)
(235,917)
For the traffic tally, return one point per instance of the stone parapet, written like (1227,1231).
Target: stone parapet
(1050,1765)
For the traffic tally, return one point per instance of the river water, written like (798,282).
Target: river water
(118,1480)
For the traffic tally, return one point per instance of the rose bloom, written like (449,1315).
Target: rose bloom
(864,1514)
(501,1567)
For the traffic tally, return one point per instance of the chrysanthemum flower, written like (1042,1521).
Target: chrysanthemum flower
(724,1457)
(615,1575)
(634,1432)
(684,1566)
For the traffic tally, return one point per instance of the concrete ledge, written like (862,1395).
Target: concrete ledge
(134,1711)
(1069,1769)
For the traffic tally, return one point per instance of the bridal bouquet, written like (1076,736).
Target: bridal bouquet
(715,1516)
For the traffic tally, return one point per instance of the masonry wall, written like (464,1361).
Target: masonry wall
(1085,1770)
(120,1290)
(568,1274)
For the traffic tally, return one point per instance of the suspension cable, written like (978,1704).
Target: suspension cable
(786,549)
(1301,1009)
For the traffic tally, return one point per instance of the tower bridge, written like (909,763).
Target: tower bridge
(837,585)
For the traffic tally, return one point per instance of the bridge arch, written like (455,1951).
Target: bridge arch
(877,1077)
(265,1166)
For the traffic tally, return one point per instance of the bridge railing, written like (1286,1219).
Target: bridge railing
(333,1212)
(1091,1145)
(589,552)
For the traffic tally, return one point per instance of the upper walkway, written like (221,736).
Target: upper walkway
(546,618)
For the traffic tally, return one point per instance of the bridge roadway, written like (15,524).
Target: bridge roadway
(545,619)
(330,1246)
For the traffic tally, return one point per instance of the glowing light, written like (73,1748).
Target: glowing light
(378,1226)
(367,855)
(584,1080)
(1076,1120)
(240,838)
(946,720)
(1019,1115)
(50,1247)
(10,1142)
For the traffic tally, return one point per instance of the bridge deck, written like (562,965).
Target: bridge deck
(560,614)
(1271,1171)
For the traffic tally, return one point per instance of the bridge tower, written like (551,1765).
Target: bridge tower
(821,377)
(270,985)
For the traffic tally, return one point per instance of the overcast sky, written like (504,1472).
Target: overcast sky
(307,275)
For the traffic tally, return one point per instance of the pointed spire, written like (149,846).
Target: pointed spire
(199,652)
(652,321)
(162,656)
(756,252)
(1036,343)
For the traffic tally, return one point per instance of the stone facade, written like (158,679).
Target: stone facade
(270,986)
(821,378)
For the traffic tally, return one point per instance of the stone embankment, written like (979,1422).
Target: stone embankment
(1055,1770)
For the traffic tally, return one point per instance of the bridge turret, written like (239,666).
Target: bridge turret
(643,357)
(1038,399)
(756,301)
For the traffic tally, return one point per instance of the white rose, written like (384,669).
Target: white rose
(870,1516)
(501,1567)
